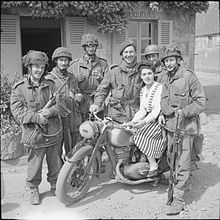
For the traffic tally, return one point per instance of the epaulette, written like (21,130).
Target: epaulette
(113,66)
(50,76)
(18,83)
(191,71)
(74,61)
(102,59)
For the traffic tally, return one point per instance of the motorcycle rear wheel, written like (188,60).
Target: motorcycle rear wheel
(72,185)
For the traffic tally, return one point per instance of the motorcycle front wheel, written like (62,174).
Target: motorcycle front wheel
(72,185)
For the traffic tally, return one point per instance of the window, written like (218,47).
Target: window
(142,33)
(209,41)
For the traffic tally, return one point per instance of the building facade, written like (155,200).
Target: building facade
(207,40)
(21,33)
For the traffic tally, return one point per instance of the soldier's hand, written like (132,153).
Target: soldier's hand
(93,108)
(71,95)
(179,112)
(81,77)
(78,97)
(161,120)
(41,120)
(45,112)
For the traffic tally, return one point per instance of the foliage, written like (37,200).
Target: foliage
(108,15)
(190,7)
(8,125)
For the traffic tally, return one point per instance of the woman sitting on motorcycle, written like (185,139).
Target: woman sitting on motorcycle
(149,138)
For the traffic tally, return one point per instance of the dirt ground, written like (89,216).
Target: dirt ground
(109,199)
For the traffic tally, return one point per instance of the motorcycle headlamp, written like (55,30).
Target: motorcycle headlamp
(88,129)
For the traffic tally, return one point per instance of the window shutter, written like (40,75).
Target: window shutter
(165,32)
(9,26)
(11,45)
(75,28)
(120,37)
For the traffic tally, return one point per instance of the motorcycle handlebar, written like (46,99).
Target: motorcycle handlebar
(96,117)
(124,125)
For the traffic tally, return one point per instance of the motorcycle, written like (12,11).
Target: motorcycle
(84,162)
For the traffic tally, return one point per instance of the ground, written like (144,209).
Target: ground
(109,199)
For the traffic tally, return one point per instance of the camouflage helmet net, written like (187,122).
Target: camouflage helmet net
(89,39)
(35,57)
(171,50)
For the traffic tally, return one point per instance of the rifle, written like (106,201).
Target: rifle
(51,100)
(174,154)
(43,129)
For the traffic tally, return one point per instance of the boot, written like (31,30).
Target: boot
(34,196)
(53,189)
(176,207)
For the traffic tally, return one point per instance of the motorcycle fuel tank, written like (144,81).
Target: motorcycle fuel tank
(120,137)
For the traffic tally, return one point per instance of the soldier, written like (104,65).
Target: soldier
(183,96)
(41,128)
(89,71)
(124,83)
(71,94)
(152,55)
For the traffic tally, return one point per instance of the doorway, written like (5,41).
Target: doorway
(41,34)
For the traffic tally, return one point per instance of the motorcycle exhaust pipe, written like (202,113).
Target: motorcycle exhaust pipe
(119,177)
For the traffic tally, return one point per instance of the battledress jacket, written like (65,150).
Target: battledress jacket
(94,72)
(71,119)
(124,85)
(26,101)
(183,90)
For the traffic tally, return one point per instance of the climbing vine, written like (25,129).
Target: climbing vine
(108,15)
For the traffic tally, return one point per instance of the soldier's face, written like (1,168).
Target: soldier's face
(152,58)
(37,70)
(147,76)
(62,63)
(129,54)
(170,63)
(91,49)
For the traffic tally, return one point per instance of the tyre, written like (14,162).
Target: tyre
(72,185)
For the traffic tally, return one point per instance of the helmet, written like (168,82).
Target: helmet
(151,49)
(171,50)
(125,44)
(35,57)
(88,39)
(61,52)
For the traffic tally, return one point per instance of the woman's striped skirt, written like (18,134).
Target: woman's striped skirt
(150,140)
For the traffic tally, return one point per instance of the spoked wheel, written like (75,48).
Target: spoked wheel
(72,183)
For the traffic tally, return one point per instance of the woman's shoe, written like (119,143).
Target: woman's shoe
(152,173)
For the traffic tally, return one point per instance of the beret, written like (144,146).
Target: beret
(125,44)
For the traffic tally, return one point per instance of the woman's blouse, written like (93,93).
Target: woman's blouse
(149,103)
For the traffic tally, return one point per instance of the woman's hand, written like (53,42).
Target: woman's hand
(161,120)
(138,124)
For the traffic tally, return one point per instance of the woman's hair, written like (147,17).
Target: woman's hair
(146,65)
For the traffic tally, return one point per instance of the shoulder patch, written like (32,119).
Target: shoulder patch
(113,66)
(18,83)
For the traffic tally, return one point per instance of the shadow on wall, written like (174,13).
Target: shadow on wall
(212,93)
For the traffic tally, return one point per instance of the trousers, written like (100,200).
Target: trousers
(183,163)
(35,162)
